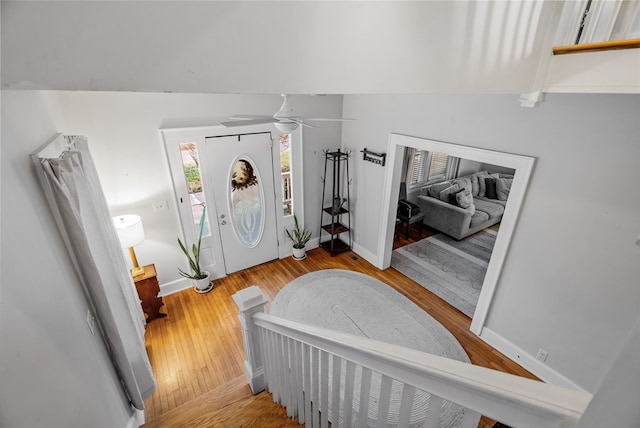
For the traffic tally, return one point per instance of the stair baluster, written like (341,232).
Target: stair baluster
(306,369)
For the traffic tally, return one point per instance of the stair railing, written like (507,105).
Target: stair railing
(327,378)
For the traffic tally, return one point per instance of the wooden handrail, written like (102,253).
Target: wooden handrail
(599,46)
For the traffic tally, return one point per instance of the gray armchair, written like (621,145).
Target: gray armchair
(408,213)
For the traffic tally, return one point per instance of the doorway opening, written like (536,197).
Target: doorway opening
(522,165)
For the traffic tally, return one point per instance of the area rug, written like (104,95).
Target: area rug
(358,304)
(453,270)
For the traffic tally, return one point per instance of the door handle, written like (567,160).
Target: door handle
(223,222)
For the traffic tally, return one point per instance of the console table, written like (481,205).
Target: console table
(148,289)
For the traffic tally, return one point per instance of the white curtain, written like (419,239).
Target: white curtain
(71,184)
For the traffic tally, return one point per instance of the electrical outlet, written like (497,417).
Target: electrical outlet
(91,320)
(542,355)
(160,206)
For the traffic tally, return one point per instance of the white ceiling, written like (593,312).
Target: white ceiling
(274,47)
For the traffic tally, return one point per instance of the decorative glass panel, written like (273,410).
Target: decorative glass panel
(191,167)
(285,172)
(247,202)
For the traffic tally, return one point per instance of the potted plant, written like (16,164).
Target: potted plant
(201,278)
(300,237)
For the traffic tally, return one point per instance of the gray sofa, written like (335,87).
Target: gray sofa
(465,205)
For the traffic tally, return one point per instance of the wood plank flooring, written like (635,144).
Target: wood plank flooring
(197,352)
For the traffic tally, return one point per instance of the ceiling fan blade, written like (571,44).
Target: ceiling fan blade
(325,119)
(248,122)
(250,116)
(300,122)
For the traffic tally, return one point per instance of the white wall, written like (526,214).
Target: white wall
(128,150)
(569,284)
(53,372)
(595,72)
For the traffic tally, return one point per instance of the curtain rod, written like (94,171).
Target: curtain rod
(54,148)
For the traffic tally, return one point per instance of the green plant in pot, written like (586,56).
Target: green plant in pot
(201,278)
(299,237)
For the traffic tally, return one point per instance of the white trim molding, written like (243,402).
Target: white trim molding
(174,287)
(137,418)
(523,166)
(364,253)
(178,285)
(532,99)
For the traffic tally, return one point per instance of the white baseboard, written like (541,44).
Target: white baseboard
(365,254)
(174,286)
(137,418)
(529,362)
(313,243)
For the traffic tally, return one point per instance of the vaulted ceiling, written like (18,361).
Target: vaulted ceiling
(274,47)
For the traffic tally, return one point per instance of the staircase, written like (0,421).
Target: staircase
(229,405)
(325,378)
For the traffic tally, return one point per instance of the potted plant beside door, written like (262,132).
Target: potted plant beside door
(299,237)
(201,278)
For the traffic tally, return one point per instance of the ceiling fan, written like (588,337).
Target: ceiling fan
(285,120)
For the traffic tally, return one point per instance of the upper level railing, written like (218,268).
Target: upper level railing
(325,377)
(596,25)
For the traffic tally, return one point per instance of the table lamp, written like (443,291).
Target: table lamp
(130,233)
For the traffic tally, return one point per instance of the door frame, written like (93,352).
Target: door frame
(173,136)
(523,166)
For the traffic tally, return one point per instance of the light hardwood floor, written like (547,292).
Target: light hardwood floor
(197,353)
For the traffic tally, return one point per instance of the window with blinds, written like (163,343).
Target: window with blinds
(438,166)
(426,167)
(417,168)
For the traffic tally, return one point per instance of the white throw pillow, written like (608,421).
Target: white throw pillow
(503,187)
(464,199)
(444,195)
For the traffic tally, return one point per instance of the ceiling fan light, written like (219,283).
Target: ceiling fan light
(286,127)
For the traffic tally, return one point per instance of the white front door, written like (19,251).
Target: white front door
(240,168)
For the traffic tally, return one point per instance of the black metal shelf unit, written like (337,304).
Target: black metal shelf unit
(335,219)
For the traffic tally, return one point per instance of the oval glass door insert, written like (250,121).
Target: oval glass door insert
(246,202)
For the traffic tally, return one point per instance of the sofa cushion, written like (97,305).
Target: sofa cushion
(503,186)
(475,186)
(490,188)
(493,201)
(471,209)
(478,218)
(453,200)
(463,182)
(480,176)
(435,189)
(464,199)
(444,195)
(492,210)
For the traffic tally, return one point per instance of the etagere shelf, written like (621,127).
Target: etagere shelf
(335,219)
